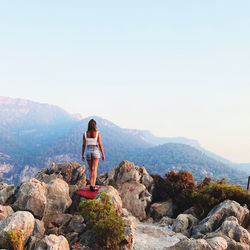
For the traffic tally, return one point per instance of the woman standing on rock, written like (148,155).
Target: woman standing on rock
(92,140)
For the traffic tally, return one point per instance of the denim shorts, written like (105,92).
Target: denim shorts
(92,153)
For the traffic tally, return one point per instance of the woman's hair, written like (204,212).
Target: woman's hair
(92,127)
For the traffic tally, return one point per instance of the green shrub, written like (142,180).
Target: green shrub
(14,240)
(210,195)
(103,219)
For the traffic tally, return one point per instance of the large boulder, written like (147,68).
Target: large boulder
(184,224)
(6,191)
(161,209)
(193,244)
(31,196)
(115,197)
(233,230)
(5,211)
(128,243)
(53,242)
(217,243)
(218,214)
(70,172)
(22,221)
(58,198)
(135,198)
(124,172)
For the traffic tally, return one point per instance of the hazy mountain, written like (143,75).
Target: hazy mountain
(33,135)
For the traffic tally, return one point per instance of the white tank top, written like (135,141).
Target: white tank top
(91,141)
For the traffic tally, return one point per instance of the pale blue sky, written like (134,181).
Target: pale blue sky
(177,68)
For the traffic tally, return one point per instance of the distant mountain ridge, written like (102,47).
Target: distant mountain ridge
(33,135)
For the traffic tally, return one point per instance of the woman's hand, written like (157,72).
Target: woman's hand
(82,157)
(103,157)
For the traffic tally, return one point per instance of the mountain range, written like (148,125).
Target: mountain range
(33,135)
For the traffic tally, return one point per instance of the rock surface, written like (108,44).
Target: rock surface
(126,171)
(217,243)
(150,236)
(115,197)
(135,198)
(5,211)
(58,198)
(161,209)
(22,221)
(184,224)
(53,242)
(193,244)
(233,230)
(31,196)
(218,214)
(6,191)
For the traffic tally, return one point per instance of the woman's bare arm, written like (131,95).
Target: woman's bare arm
(83,146)
(100,146)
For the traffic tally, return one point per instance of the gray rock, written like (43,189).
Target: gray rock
(76,224)
(233,230)
(161,209)
(39,229)
(22,221)
(129,234)
(70,172)
(218,214)
(58,198)
(166,221)
(126,171)
(6,191)
(184,224)
(217,243)
(115,197)
(5,211)
(135,198)
(53,242)
(193,244)
(31,196)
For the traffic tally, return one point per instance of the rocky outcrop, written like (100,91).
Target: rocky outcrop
(218,214)
(115,198)
(134,185)
(161,209)
(233,230)
(70,172)
(58,198)
(194,244)
(6,191)
(124,172)
(184,224)
(53,242)
(217,243)
(135,198)
(51,221)
(22,221)
(31,196)
(5,211)
(40,198)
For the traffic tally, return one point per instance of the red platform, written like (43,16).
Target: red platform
(87,193)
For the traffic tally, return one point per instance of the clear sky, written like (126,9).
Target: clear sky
(176,68)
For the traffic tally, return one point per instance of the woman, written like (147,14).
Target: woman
(92,140)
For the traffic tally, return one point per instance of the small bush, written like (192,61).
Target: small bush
(14,240)
(103,219)
(210,195)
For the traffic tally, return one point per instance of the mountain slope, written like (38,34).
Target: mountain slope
(33,135)
(163,158)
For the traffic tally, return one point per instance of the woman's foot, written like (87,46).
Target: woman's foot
(93,188)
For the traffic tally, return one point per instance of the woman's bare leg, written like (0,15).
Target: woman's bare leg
(90,163)
(94,170)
